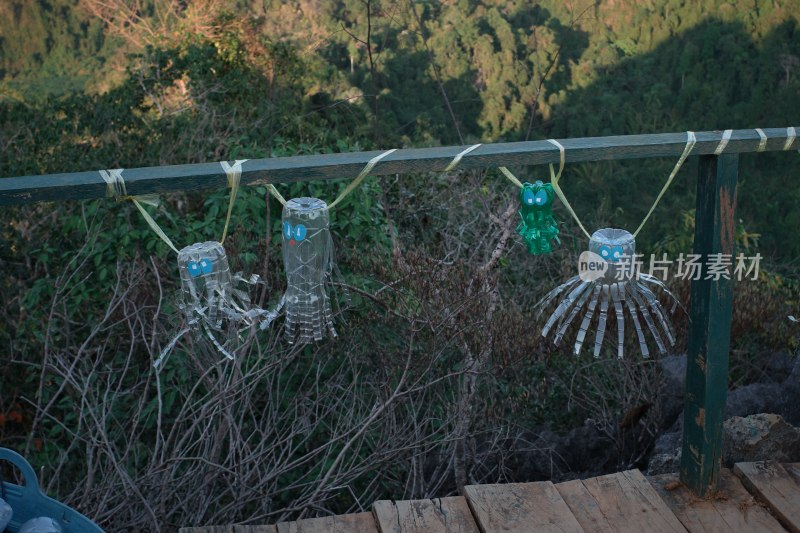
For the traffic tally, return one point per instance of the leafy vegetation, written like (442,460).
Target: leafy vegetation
(441,334)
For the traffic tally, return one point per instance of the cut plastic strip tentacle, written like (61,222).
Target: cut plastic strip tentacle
(272,315)
(562,327)
(633,292)
(217,345)
(587,320)
(166,351)
(563,307)
(618,295)
(654,280)
(550,296)
(659,311)
(603,318)
(212,291)
(631,303)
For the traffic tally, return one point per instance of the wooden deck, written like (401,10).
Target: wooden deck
(754,497)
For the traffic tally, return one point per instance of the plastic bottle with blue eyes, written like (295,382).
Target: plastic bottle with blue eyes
(309,261)
(214,310)
(616,290)
(206,283)
(613,245)
(537,228)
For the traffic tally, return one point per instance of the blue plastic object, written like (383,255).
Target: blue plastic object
(28,501)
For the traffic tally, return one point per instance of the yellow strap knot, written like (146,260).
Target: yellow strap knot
(234,173)
(116,189)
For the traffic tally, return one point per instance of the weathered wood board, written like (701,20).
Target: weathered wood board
(776,486)
(521,508)
(229,529)
(438,515)
(731,510)
(619,502)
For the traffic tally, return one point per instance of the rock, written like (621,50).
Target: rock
(666,455)
(669,442)
(791,395)
(669,403)
(760,437)
(778,366)
(674,368)
(538,457)
(587,449)
(526,456)
(769,397)
(664,463)
(755,398)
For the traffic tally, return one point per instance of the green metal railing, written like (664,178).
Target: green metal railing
(712,300)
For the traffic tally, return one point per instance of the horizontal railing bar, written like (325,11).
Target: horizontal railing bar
(150,180)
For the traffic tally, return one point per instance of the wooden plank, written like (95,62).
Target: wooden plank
(520,507)
(732,510)
(709,327)
(150,180)
(775,487)
(349,523)
(583,505)
(628,503)
(228,529)
(439,515)
(793,469)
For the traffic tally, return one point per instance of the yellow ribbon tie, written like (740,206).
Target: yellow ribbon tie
(276,193)
(363,174)
(791,134)
(554,178)
(726,136)
(690,142)
(457,159)
(117,189)
(762,144)
(511,177)
(234,173)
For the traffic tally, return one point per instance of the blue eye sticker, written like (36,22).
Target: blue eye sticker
(616,252)
(527,197)
(206,266)
(294,234)
(541,197)
(605,252)
(193,268)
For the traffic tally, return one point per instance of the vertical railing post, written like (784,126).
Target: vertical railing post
(710,326)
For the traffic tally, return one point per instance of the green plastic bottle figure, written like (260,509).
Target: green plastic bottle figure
(537,227)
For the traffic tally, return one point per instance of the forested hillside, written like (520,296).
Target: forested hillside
(328,74)
(441,333)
